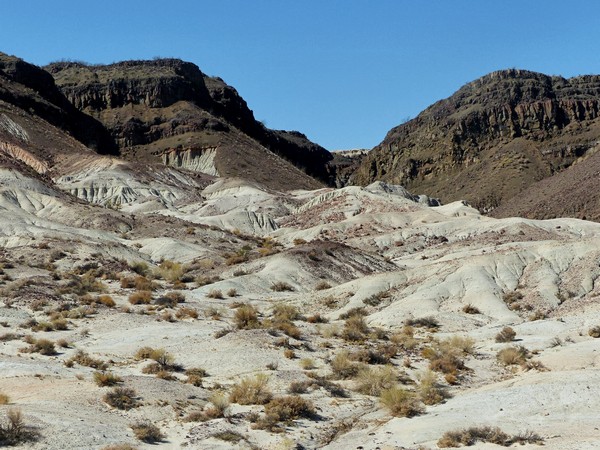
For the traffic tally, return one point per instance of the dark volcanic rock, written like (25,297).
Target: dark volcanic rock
(491,139)
(32,89)
(155,106)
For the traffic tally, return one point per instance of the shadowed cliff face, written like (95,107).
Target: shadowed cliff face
(155,106)
(492,139)
(32,89)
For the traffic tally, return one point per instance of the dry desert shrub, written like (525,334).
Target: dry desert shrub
(140,298)
(400,402)
(4,399)
(103,379)
(83,359)
(405,339)
(284,312)
(13,430)
(195,376)
(429,390)
(147,432)
(507,334)
(281,286)
(322,285)
(424,322)
(144,284)
(41,346)
(186,311)
(170,271)
(251,391)
(343,368)
(470,309)
(290,407)
(447,356)
(215,293)
(121,398)
(229,436)
(594,332)
(232,292)
(355,329)
(246,317)
(170,299)
(470,436)
(140,267)
(374,380)
(106,300)
(513,355)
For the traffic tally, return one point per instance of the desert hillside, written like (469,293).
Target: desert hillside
(150,299)
(493,140)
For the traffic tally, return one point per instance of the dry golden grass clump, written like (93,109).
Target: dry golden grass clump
(170,271)
(41,346)
(405,339)
(246,317)
(121,398)
(186,311)
(4,399)
(219,407)
(322,285)
(170,299)
(106,300)
(343,367)
(103,379)
(374,380)
(400,402)
(147,432)
(446,356)
(470,436)
(83,359)
(429,390)
(216,294)
(281,286)
(163,363)
(424,322)
(251,391)
(355,329)
(140,298)
(290,407)
(507,334)
(144,284)
(195,376)
(517,355)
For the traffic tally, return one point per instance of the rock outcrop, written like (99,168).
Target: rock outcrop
(492,139)
(32,89)
(168,105)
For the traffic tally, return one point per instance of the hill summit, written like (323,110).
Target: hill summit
(492,139)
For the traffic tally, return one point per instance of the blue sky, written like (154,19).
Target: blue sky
(341,71)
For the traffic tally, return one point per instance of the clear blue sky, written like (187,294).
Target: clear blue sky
(343,72)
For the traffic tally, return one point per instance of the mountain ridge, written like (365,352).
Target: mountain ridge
(491,139)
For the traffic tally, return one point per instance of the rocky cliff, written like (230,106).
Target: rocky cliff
(168,105)
(491,139)
(32,89)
